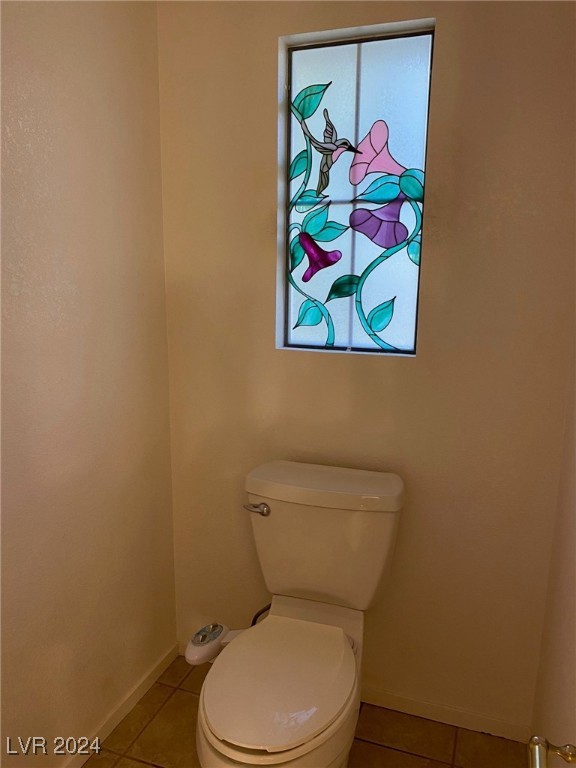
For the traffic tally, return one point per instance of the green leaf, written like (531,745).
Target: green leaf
(381,315)
(308,100)
(414,250)
(383,190)
(343,286)
(296,253)
(331,231)
(315,220)
(412,184)
(309,314)
(307,200)
(298,166)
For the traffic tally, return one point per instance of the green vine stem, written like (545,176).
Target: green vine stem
(308,161)
(325,313)
(372,266)
(292,226)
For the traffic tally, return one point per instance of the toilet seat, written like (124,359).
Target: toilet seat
(279,685)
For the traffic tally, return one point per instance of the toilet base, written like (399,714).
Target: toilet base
(329,749)
(210,758)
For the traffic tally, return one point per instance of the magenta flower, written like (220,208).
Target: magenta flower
(318,257)
(381,225)
(374,155)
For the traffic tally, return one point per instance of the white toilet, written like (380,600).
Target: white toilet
(286,691)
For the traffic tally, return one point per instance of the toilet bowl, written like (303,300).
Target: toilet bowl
(286,691)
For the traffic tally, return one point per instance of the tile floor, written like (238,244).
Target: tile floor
(159,731)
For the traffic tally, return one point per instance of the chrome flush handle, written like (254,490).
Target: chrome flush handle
(262,508)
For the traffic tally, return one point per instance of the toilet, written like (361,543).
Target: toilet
(286,691)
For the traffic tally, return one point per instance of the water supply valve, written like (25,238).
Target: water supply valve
(207,642)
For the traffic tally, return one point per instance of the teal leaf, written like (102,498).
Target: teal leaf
(315,220)
(381,315)
(383,190)
(296,253)
(308,100)
(331,231)
(414,250)
(412,184)
(307,200)
(299,165)
(309,314)
(343,286)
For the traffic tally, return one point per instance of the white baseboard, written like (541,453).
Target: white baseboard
(444,714)
(122,709)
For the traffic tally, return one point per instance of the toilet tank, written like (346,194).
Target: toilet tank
(330,532)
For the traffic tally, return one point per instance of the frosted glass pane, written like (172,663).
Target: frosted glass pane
(335,65)
(356,149)
(395,279)
(394,86)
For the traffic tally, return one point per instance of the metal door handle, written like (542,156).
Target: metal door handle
(262,508)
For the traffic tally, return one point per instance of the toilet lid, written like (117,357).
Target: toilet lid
(279,684)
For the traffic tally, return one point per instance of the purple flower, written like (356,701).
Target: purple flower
(381,225)
(318,257)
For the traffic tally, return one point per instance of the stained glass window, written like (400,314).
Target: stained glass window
(353,148)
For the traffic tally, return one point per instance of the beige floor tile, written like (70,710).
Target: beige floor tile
(170,739)
(175,673)
(138,718)
(103,759)
(415,735)
(367,755)
(479,750)
(195,678)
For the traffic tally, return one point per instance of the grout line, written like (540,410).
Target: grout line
(183,690)
(143,762)
(141,731)
(402,751)
(455,745)
(115,763)
(186,676)
(173,690)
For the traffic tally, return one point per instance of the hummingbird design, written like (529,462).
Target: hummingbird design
(330,149)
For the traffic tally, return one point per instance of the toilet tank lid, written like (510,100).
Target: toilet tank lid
(322,486)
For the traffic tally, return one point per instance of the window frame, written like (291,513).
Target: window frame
(286,44)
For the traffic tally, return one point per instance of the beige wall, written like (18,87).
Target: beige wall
(555,705)
(88,595)
(474,424)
